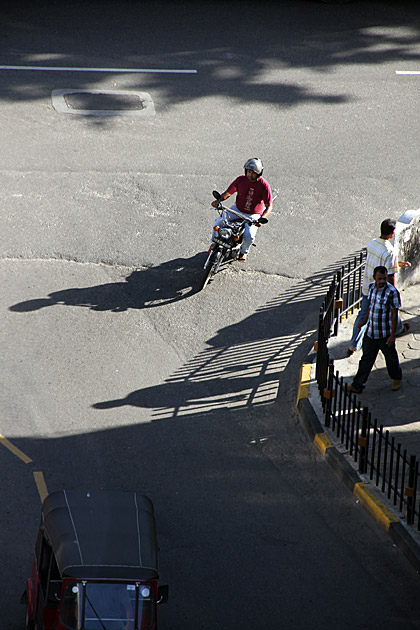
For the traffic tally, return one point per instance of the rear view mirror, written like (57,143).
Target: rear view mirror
(216,195)
(163,594)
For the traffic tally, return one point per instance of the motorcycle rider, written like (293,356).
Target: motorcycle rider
(253,197)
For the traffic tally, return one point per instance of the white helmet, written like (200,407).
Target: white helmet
(255,165)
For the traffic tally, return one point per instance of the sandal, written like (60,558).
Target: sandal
(242,257)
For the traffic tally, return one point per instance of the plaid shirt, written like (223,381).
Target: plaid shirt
(381,303)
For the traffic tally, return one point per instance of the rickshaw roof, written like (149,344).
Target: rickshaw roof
(102,534)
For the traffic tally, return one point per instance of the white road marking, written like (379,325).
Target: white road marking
(407,72)
(121,70)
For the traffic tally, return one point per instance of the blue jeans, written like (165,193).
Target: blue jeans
(357,337)
(371,348)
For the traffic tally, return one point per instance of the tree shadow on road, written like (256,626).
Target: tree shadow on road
(288,35)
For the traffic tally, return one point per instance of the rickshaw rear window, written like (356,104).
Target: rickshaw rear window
(107,605)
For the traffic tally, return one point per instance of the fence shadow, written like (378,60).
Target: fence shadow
(242,366)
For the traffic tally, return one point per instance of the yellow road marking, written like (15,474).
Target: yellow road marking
(14,449)
(304,381)
(38,476)
(41,485)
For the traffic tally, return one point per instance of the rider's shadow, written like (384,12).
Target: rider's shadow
(144,288)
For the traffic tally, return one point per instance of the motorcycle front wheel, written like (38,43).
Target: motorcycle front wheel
(211,268)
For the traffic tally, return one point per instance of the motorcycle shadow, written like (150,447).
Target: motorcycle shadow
(149,287)
(169,282)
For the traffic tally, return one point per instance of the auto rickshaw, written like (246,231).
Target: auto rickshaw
(95,565)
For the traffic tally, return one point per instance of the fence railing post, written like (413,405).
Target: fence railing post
(351,423)
(330,391)
(338,295)
(409,490)
(362,441)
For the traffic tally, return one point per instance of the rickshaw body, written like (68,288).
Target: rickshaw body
(95,564)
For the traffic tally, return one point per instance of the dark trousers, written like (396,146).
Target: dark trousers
(371,348)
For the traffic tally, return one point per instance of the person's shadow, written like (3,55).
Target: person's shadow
(145,288)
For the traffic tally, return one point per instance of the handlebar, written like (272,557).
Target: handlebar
(244,217)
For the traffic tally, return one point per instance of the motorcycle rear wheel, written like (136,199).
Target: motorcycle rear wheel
(210,270)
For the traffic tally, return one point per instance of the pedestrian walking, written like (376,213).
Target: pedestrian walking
(380,252)
(381,331)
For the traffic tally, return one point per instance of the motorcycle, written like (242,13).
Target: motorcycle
(226,245)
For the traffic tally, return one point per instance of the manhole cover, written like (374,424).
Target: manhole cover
(102,103)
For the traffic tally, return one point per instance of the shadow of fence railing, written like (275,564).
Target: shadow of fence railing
(377,455)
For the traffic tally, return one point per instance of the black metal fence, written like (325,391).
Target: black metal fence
(377,454)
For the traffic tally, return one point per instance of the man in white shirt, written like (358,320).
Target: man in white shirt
(380,252)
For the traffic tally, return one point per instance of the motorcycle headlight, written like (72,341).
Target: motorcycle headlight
(225,233)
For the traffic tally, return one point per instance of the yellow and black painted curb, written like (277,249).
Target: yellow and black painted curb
(349,476)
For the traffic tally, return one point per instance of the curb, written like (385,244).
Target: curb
(389,521)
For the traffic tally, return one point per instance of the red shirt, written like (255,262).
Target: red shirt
(252,197)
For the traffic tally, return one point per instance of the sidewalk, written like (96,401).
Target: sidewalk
(398,412)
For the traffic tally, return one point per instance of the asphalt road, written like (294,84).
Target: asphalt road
(115,372)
